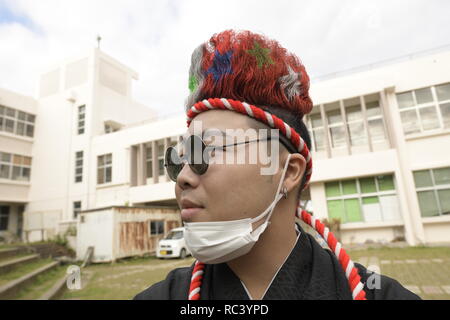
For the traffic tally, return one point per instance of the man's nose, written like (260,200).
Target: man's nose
(187,178)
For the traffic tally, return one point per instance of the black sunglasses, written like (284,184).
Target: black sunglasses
(195,156)
(198,160)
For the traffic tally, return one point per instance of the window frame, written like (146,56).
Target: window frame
(435,103)
(15,120)
(313,130)
(150,228)
(77,158)
(76,210)
(11,166)
(435,188)
(104,167)
(360,195)
(4,216)
(81,118)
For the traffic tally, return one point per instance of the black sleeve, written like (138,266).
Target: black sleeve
(379,287)
(174,287)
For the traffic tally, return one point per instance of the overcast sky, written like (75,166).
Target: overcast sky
(156,38)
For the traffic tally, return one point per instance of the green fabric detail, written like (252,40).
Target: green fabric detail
(262,55)
(193,83)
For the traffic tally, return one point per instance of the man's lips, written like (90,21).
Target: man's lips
(189,208)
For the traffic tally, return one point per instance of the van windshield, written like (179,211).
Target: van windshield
(174,235)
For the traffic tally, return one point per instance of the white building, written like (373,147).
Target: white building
(381,154)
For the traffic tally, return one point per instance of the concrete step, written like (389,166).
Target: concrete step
(57,290)
(10,252)
(9,290)
(9,265)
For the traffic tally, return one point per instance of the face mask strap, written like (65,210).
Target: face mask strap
(278,196)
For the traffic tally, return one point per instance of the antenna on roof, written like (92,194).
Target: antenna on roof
(98,41)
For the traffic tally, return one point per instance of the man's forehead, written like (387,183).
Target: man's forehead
(223,120)
(218,123)
(208,132)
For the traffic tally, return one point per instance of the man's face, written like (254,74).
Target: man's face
(227,191)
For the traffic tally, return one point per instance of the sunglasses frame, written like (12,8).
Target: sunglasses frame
(201,168)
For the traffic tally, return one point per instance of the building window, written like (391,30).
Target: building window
(149,160)
(79,166)
(15,167)
(354,125)
(355,122)
(160,147)
(104,168)
(76,209)
(335,125)
(433,191)
(317,129)
(81,119)
(4,218)
(375,118)
(368,199)
(425,109)
(160,155)
(156,228)
(16,122)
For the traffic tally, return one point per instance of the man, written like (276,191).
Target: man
(240,223)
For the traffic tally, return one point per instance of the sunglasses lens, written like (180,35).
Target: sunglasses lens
(199,168)
(173,163)
(195,148)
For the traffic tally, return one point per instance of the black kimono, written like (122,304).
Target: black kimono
(309,273)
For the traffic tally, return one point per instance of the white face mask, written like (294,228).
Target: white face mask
(221,241)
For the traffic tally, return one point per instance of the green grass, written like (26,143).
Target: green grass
(417,274)
(127,277)
(124,279)
(23,270)
(419,252)
(41,284)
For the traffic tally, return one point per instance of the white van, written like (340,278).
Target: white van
(173,245)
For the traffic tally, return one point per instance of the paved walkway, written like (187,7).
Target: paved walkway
(373,264)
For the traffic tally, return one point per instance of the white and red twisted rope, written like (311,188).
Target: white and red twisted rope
(351,272)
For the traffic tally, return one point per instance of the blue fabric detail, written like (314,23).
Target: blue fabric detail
(221,65)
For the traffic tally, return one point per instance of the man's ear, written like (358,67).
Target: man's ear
(295,171)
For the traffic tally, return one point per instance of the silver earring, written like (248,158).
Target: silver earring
(285,192)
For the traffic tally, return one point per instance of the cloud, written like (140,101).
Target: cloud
(156,38)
